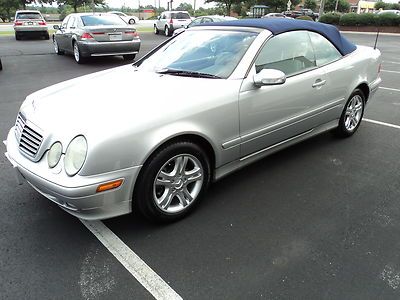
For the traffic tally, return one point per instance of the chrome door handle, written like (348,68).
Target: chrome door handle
(318,83)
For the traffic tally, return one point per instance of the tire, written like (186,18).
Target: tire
(1,65)
(131,21)
(167,31)
(352,114)
(17,36)
(170,197)
(129,56)
(56,48)
(78,54)
(156,31)
(46,36)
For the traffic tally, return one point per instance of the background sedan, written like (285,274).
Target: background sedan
(87,35)
(203,20)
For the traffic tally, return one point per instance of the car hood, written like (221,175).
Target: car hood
(106,102)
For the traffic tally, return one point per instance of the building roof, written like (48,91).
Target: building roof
(280,25)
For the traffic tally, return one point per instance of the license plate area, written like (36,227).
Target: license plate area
(115,36)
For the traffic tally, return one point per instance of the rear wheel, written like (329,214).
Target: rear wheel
(46,36)
(78,55)
(172,182)
(131,21)
(17,36)
(352,114)
(129,56)
(167,31)
(156,31)
(56,48)
(1,65)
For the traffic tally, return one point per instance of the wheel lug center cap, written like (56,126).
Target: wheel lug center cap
(178,183)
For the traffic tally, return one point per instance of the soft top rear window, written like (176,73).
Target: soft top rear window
(93,20)
(180,15)
(29,16)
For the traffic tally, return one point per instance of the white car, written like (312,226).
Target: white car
(169,21)
(128,19)
(30,22)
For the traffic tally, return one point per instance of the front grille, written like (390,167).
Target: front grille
(28,138)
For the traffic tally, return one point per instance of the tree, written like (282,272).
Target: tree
(226,3)
(311,4)
(77,3)
(8,8)
(343,5)
(186,6)
(380,4)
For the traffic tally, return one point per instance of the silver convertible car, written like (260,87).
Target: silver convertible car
(204,104)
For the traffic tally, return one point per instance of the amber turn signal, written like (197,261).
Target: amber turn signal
(109,185)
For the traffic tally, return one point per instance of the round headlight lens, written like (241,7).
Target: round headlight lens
(75,155)
(54,155)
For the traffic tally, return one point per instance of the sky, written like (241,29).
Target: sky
(163,3)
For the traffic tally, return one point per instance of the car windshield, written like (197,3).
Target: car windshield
(180,15)
(93,20)
(213,53)
(29,16)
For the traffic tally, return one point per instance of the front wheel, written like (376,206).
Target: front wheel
(352,114)
(156,31)
(172,182)
(56,47)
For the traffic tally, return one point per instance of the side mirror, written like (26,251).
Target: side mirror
(269,77)
(56,27)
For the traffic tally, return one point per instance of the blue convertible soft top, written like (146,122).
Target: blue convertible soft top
(280,25)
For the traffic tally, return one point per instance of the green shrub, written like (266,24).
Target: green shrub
(350,19)
(307,18)
(366,19)
(330,18)
(388,19)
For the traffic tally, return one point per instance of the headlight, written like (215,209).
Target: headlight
(75,155)
(54,155)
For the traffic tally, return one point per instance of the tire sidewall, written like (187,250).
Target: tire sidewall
(342,127)
(143,197)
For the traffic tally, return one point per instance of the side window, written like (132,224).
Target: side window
(325,52)
(289,52)
(70,23)
(65,21)
(206,20)
(196,21)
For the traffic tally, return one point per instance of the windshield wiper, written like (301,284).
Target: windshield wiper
(186,73)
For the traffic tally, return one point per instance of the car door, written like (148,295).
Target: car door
(272,114)
(60,34)
(69,32)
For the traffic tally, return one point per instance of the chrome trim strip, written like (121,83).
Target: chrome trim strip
(276,145)
(277,126)
(232,143)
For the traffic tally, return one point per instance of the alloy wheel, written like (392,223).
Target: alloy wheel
(178,183)
(353,113)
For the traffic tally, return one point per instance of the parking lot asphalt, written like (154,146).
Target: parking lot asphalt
(319,220)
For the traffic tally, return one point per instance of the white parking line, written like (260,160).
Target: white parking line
(382,123)
(391,62)
(389,89)
(149,279)
(389,71)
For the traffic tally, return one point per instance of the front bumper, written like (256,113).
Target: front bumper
(94,48)
(76,195)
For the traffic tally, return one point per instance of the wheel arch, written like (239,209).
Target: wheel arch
(365,89)
(195,138)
